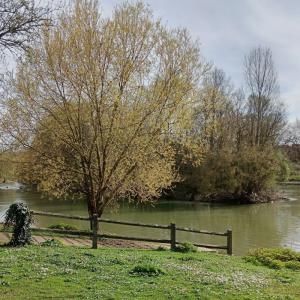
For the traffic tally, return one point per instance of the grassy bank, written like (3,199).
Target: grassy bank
(294,172)
(37,272)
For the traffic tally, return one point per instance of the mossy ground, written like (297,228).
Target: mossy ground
(41,272)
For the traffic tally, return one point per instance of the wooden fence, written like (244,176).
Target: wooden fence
(173,229)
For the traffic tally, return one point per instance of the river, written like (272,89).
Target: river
(262,225)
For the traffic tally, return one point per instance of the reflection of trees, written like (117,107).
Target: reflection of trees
(262,225)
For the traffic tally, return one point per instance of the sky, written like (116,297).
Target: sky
(229,29)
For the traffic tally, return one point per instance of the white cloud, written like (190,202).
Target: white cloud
(228,29)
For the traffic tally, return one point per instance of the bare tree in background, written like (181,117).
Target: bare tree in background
(20,21)
(215,98)
(237,119)
(266,114)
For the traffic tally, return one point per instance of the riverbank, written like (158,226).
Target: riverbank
(183,194)
(268,196)
(37,272)
(290,183)
(254,198)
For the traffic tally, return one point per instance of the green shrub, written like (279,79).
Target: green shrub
(52,243)
(63,226)
(186,248)
(147,270)
(293,265)
(229,176)
(275,258)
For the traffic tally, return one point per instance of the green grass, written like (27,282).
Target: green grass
(295,172)
(63,226)
(41,272)
(294,177)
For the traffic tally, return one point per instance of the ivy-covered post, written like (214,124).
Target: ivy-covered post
(19,216)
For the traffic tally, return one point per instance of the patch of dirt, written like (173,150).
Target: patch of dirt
(114,243)
(83,242)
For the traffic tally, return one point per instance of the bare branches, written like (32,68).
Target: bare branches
(266,114)
(20,21)
(260,73)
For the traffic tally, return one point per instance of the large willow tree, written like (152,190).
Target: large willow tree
(97,101)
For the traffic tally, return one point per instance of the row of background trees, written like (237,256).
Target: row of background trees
(125,108)
(242,130)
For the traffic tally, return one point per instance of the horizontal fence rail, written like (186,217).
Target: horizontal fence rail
(63,231)
(41,213)
(134,224)
(201,231)
(94,235)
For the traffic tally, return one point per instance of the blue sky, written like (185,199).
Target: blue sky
(228,29)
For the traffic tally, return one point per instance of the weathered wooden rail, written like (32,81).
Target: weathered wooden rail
(94,235)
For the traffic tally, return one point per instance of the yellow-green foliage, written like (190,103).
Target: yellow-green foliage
(8,166)
(98,100)
(284,167)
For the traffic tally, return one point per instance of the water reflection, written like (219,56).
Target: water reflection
(264,225)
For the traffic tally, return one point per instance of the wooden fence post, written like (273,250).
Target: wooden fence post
(173,236)
(229,242)
(95,231)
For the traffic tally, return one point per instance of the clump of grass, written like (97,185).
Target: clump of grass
(275,258)
(89,254)
(284,278)
(52,243)
(189,258)
(4,283)
(116,261)
(63,226)
(161,248)
(147,270)
(186,248)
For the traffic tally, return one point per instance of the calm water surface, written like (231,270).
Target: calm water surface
(262,225)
